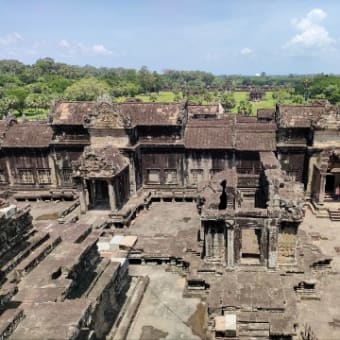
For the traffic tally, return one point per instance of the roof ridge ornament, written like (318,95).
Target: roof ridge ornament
(106,115)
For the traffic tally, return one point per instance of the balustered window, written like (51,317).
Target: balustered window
(44,176)
(171,176)
(196,175)
(154,176)
(26,176)
(66,175)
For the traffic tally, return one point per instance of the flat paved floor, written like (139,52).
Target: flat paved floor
(163,311)
(166,219)
(320,314)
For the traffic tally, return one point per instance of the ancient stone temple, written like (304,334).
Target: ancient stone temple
(258,232)
(256,95)
(102,178)
(218,199)
(105,153)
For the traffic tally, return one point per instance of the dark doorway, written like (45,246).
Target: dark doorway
(223,197)
(99,194)
(330,182)
(250,246)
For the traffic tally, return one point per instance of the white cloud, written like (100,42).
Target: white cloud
(246,51)
(79,48)
(10,38)
(311,33)
(64,43)
(100,50)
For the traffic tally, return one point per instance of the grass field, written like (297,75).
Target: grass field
(162,96)
(267,102)
(168,96)
(29,114)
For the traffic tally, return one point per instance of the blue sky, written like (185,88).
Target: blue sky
(220,36)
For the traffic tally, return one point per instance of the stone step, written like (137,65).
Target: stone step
(334,215)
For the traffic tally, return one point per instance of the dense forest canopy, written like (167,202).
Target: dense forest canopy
(34,87)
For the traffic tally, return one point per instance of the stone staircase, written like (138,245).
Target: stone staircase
(334,215)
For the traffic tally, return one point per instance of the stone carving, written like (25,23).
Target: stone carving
(99,163)
(107,115)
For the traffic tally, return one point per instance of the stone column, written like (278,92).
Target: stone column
(264,246)
(9,172)
(230,245)
(112,196)
(272,246)
(230,236)
(51,165)
(82,197)
(132,176)
(311,168)
(208,242)
(92,189)
(322,188)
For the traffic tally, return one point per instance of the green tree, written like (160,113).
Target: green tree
(281,95)
(19,94)
(208,97)
(332,93)
(145,79)
(178,97)
(298,99)
(228,101)
(153,97)
(6,104)
(87,89)
(245,108)
(37,101)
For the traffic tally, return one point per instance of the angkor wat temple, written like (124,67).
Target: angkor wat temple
(250,178)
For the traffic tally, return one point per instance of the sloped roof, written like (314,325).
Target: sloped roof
(152,113)
(70,113)
(209,134)
(228,132)
(203,109)
(245,119)
(28,134)
(265,113)
(255,137)
(300,116)
(255,141)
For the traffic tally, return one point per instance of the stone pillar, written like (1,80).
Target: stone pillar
(208,242)
(234,162)
(322,188)
(230,240)
(264,246)
(311,168)
(132,176)
(9,172)
(92,189)
(230,247)
(51,165)
(112,196)
(83,197)
(272,246)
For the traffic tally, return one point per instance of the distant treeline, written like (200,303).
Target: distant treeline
(35,86)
